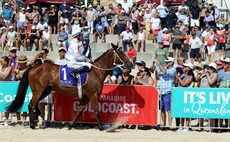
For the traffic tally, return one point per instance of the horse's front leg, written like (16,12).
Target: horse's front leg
(94,103)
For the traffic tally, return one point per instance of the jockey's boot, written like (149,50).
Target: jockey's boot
(79,71)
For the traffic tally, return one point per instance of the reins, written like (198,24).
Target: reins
(115,56)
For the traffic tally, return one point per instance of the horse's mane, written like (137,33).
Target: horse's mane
(101,55)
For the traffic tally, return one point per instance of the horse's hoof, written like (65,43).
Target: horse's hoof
(70,126)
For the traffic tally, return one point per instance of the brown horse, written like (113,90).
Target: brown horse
(43,78)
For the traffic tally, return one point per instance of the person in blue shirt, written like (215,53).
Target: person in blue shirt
(62,38)
(64,9)
(100,28)
(7,13)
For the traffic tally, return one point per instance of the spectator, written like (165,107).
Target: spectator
(111,19)
(183,6)
(171,19)
(46,38)
(35,16)
(221,33)
(209,19)
(211,45)
(159,36)
(62,38)
(61,60)
(12,23)
(126,78)
(5,71)
(45,15)
(166,37)
(100,31)
(196,46)
(144,78)
(195,15)
(86,50)
(126,6)
(122,22)
(126,37)
(7,13)
(86,34)
(185,80)
(140,65)
(179,68)
(176,40)
(33,37)
(155,26)
(134,20)
(84,15)
(162,10)
(90,18)
(41,26)
(2,37)
(141,37)
(52,19)
(161,54)
(216,12)
(198,72)
(166,76)
(147,20)
(22,61)
(132,54)
(219,65)
(202,15)
(77,18)
(12,60)
(64,9)
(11,37)
(103,17)
(22,38)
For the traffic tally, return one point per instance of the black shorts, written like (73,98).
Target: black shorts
(177,46)
(195,53)
(166,46)
(32,39)
(222,46)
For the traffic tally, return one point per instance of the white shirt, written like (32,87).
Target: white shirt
(73,53)
(126,6)
(41,27)
(162,11)
(155,23)
(46,34)
(126,35)
(183,7)
(22,17)
(204,34)
(195,43)
(60,62)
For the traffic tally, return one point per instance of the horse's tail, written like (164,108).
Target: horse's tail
(21,93)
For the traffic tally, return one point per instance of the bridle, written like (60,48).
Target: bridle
(115,56)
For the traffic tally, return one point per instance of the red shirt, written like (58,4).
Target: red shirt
(132,53)
(221,34)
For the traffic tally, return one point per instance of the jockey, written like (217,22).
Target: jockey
(74,56)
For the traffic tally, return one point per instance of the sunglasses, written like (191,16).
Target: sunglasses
(13,51)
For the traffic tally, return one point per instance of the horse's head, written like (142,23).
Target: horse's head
(120,56)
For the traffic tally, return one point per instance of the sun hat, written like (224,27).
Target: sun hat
(213,65)
(22,59)
(13,48)
(11,27)
(62,48)
(226,60)
(165,29)
(76,32)
(6,4)
(90,6)
(170,59)
(218,62)
(190,65)
(199,65)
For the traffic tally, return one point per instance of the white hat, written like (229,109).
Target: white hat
(28,8)
(6,4)
(3,28)
(170,59)
(213,64)
(190,65)
(226,60)
(90,6)
(33,27)
(61,48)
(71,7)
(11,27)
(23,8)
(165,29)
(13,48)
(82,6)
(76,32)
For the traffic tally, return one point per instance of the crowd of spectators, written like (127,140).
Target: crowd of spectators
(199,30)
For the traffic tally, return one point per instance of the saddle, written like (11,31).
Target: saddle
(67,80)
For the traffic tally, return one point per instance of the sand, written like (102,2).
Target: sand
(25,134)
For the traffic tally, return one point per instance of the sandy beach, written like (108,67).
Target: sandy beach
(25,134)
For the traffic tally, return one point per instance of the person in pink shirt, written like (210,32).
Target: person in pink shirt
(166,37)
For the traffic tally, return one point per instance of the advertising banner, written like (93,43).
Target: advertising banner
(201,103)
(8,90)
(134,104)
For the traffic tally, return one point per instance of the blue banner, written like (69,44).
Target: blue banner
(8,92)
(201,103)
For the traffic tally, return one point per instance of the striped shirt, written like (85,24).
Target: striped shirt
(167,80)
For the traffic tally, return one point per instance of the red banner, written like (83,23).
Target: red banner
(137,104)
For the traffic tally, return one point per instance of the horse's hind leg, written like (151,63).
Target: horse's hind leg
(94,103)
(31,107)
(80,109)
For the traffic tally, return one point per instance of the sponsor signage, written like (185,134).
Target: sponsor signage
(201,102)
